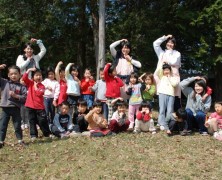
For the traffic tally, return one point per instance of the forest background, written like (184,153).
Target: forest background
(69,30)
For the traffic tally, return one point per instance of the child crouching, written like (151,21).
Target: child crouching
(144,121)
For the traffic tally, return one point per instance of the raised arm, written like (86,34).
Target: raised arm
(67,70)
(57,76)
(156,45)
(184,85)
(113,46)
(42,48)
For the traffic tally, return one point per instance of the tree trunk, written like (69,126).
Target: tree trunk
(101,53)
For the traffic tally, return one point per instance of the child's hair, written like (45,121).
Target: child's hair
(145,104)
(73,68)
(218,102)
(201,83)
(181,113)
(166,66)
(119,103)
(134,75)
(14,67)
(98,104)
(65,103)
(173,40)
(205,78)
(61,68)
(111,69)
(101,69)
(50,69)
(88,69)
(36,71)
(82,102)
(127,44)
(148,75)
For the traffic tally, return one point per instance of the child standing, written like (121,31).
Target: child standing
(51,94)
(119,122)
(60,77)
(100,92)
(149,89)
(98,125)
(73,83)
(166,91)
(144,121)
(134,90)
(13,94)
(62,122)
(35,103)
(113,85)
(86,85)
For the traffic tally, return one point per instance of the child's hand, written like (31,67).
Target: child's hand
(2,66)
(49,88)
(33,40)
(67,132)
(147,111)
(12,94)
(197,78)
(120,98)
(76,78)
(147,87)
(169,36)
(60,63)
(206,124)
(121,114)
(123,40)
(31,69)
(87,79)
(128,58)
(91,77)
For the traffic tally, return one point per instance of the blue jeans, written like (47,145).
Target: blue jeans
(8,112)
(89,99)
(105,110)
(199,119)
(49,109)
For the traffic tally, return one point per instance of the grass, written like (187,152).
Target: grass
(124,156)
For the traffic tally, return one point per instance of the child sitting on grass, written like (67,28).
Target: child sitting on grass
(62,124)
(98,125)
(144,121)
(214,122)
(13,94)
(176,122)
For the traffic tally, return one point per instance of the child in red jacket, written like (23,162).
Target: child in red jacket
(113,85)
(35,103)
(144,121)
(86,85)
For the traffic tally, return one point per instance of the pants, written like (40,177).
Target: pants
(56,131)
(110,108)
(89,99)
(49,109)
(177,103)
(6,113)
(212,125)
(199,119)
(176,126)
(24,115)
(105,110)
(144,126)
(115,127)
(133,109)
(99,134)
(72,100)
(82,123)
(37,116)
(166,104)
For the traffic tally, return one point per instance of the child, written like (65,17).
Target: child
(176,122)
(135,98)
(35,103)
(100,89)
(144,121)
(119,122)
(13,94)
(62,123)
(98,125)
(51,94)
(73,83)
(60,77)
(79,115)
(149,90)
(166,91)
(86,85)
(214,122)
(209,90)
(113,85)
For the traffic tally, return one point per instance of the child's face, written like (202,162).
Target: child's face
(170,45)
(101,75)
(51,75)
(28,51)
(166,72)
(125,50)
(121,109)
(198,89)
(81,108)
(146,109)
(218,108)
(98,109)
(37,77)
(133,80)
(74,73)
(64,109)
(14,75)
(148,80)
(87,74)
(62,74)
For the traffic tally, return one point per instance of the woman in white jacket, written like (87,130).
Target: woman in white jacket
(30,60)
(171,57)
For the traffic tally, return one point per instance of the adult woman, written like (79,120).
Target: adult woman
(125,63)
(30,60)
(171,57)
(196,107)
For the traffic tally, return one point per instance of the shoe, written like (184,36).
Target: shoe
(169,133)
(63,136)
(37,126)
(33,139)
(153,132)
(26,126)
(136,132)
(75,134)
(1,144)
(162,128)
(130,129)
(85,133)
(23,127)
(21,143)
(204,133)
(52,136)
(185,132)
(215,134)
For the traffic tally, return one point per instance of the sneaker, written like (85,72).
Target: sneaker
(215,134)
(1,144)
(169,133)
(204,133)
(26,126)
(63,136)
(21,143)
(136,132)
(23,127)
(153,132)
(185,132)
(162,128)
(52,136)
(37,126)
(75,134)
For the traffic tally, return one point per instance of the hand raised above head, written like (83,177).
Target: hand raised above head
(2,66)
(33,40)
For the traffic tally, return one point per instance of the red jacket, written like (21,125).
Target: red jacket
(113,84)
(34,98)
(143,117)
(85,86)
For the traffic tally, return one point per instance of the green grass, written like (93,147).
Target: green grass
(125,156)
